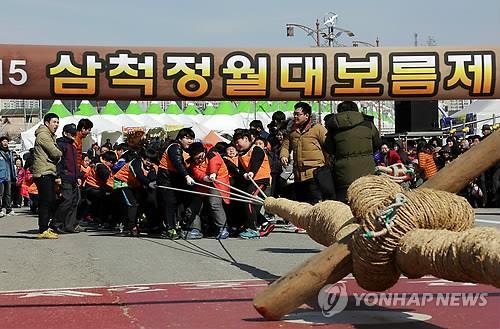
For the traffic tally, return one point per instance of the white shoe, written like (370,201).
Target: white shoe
(11,213)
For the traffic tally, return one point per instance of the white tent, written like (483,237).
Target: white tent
(110,126)
(484,109)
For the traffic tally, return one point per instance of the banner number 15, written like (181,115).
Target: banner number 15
(17,75)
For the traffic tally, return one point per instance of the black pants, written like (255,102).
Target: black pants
(148,205)
(5,195)
(67,206)
(307,191)
(169,199)
(46,200)
(97,199)
(17,198)
(252,211)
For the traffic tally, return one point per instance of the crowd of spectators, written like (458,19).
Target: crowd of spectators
(183,188)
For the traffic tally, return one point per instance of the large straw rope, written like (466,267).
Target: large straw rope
(469,256)
(374,264)
(453,251)
(326,222)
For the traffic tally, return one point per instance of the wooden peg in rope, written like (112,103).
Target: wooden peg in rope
(333,263)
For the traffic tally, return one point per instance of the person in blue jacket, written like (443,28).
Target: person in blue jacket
(7,176)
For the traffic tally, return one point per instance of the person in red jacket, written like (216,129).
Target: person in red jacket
(389,157)
(207,166)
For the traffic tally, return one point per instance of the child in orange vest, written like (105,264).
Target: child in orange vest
(131,181)
(254,164)
(207,166)
(98,185)
(173,172)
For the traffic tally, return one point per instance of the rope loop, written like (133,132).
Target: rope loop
(386,216)
(397,172)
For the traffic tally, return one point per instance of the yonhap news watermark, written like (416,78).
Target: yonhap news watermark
(333,299)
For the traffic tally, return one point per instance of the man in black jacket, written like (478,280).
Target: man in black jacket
(173,172)
(67,171)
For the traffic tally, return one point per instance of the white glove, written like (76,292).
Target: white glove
(212,177)
(248,175)
(189,180)
(206,179)
(152,185)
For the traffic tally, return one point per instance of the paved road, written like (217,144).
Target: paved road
(103,259)
(101,280)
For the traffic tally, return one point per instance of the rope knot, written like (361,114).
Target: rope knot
(385,217)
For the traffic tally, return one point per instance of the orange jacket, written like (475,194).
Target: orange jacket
(78,144)
(213,164)
(426,162)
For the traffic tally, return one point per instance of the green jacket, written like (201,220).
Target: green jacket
(352,140)
(47,154)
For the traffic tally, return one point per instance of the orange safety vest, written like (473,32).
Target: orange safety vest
(94,181)
(234,160)
(32,189)
(85,172)
(264,170)
(166,163)
(125,175)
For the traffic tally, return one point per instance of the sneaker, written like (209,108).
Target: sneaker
(58,230)
(250,234)
(194,234)
(300,230)
(293,228)
(47,234)
(223,234)
(76,229)
(134,232)
(2,213)
(89,224)
(172,234)
(11,213)
(266,229)
(105,227)
(290,227)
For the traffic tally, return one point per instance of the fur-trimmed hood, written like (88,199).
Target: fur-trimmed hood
(290,122)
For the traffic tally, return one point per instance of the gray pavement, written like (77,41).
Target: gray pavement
(102,259)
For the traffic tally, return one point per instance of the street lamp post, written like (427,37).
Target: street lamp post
(313,33)
(357,43)
(330,33)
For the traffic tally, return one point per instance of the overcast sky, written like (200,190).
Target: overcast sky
(241,24)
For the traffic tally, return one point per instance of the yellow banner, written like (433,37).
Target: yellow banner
(87,72)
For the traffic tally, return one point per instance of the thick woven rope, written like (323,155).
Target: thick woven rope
(430,233)
(326,222)
(469,256)
(374,261)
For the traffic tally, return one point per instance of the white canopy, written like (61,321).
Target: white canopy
(484,109)
(110,126)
